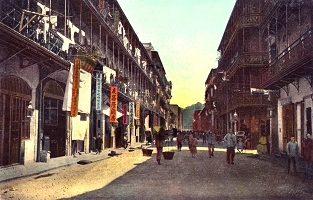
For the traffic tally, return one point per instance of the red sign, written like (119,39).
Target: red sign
(75,87)
(113,103)
(124,112)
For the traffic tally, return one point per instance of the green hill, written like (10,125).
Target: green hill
(188,114)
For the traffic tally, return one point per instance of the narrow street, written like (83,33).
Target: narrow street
(133,176)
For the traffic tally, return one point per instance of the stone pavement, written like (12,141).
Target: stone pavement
(20,171)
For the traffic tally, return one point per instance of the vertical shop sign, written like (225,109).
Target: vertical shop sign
(75,88)
(98,91)
(137,112)
(124,112)
(113,103)
(131,114)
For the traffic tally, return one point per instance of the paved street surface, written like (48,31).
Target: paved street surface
(133,176)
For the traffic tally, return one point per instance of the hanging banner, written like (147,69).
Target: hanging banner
(98,91)
(75,88)
(124,113)
(113,103)
(131,114)
(137,112)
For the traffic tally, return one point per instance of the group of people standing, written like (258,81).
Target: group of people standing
(230,141)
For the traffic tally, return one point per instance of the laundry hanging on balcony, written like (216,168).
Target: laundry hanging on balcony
(84,97)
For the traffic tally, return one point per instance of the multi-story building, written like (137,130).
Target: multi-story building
(286,31)
(266,58)
(242,56)
(70,70)
(176,117)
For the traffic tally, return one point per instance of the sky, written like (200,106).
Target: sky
(186,34)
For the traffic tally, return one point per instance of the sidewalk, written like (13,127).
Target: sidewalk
(20,171)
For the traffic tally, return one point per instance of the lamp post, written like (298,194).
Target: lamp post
(227,121)
(225,79)
(235,122)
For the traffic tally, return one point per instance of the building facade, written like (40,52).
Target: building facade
(70,70)
(265,65)
(286,29)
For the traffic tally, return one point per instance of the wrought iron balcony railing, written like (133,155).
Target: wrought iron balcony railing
(290,60)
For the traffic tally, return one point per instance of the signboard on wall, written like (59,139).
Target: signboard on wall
(131,114)
(98,91)
(124,112)
(113,103)
(137,112)
(75,88)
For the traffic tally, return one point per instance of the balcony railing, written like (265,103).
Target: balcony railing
(293,58)
(236,101)
(12,16)
(245,59)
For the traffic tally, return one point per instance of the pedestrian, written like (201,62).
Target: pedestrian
(98,143)
(211,143)
(262,146)
(193,145)
(74,148)
(230,140)
(240,145)
(159,144)
(308,153)
(204,138)
(189,139)
(179,141)
(292,150)
(125,140)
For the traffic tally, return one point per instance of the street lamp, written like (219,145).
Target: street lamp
(235,122)
(225,79)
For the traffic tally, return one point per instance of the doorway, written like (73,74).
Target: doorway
(15,95)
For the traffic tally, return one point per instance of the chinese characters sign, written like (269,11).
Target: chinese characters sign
(75,88)
(137,112)
(124,112)
(98,91)
(131,114)
(113,103)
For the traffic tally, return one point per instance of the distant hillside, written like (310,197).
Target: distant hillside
(188,114)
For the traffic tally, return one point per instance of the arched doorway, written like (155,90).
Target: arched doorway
(15,95)
(54,118)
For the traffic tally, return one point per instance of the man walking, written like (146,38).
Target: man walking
(98,143)
(211,143)
(230,140)
(292,150)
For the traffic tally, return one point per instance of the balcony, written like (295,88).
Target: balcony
(290,65)
(241,100)
(253,59)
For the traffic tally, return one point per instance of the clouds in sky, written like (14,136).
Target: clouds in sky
(186,35)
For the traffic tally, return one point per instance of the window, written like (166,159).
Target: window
(51,111)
